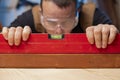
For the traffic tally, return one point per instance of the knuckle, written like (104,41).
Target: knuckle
(100,25)
(105,30)
(27,28)
(114,30)
(88,29)
(12,28)
(113,27)
(106,25)
(5,31)
(19,28)
(97,31)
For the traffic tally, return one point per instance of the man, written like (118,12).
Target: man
(59,17)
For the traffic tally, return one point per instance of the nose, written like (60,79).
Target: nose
(59,30)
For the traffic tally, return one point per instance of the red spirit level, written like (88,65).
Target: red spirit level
(59,51)
(58,44)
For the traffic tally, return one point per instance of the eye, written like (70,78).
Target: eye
(53,23)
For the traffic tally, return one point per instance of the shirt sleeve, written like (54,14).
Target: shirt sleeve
(26,19)
(101,18)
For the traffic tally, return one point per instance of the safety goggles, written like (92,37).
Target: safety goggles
(65,23)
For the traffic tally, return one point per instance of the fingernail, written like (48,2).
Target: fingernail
(109,42)
(11,44)
(98,45)
(6,38)
(16,44)
(24,39)
(104,46)
(91,42)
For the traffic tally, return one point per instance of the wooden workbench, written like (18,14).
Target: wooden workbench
(59,74)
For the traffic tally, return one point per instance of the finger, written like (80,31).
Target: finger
(98,36)
(90,34)
(105,35)
(11,36)
(5,32)
(18,35)
(26,33)
(113,32)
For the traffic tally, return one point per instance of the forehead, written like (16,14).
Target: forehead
(50,9)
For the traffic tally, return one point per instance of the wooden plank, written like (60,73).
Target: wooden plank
(60,61)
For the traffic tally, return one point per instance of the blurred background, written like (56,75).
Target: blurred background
(10,9)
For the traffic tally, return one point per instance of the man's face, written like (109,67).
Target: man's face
(58,20)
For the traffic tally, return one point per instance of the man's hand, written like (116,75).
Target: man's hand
(15,35)
(101,35)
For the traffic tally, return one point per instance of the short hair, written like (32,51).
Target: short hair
(61,3)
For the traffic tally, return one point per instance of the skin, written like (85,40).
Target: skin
(100,35)
(57,13)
